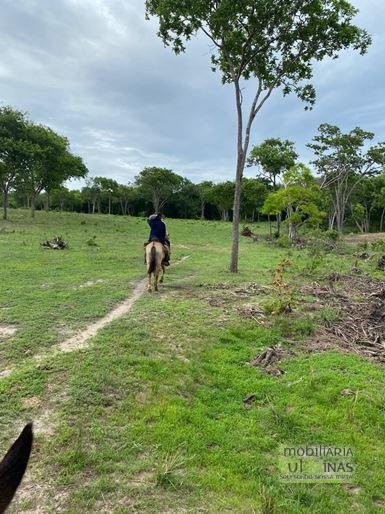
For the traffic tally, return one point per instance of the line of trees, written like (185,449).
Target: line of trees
(154,189)
(348,183)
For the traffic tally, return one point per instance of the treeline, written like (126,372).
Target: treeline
(183,199)
(346,185)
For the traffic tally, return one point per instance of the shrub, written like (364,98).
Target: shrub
(332,234)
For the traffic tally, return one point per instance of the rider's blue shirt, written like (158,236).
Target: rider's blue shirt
(158,230)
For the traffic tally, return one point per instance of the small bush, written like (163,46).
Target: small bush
(284,242)
(332,234)
(92,241)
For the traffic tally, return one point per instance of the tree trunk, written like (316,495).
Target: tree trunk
(382,219)
(156,202)
(279,219)
(33,205)
(202,210)
(5,204)
(292,232)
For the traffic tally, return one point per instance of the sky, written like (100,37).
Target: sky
(95,71)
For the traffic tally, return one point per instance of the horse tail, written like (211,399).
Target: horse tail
(13,466)
(152,263)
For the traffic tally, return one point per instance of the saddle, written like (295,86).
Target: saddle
(166,249)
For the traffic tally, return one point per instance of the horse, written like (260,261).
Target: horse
(13,466)
(155,253)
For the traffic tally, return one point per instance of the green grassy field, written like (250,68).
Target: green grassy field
(151,416)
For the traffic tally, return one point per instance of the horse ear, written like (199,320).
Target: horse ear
(13,466)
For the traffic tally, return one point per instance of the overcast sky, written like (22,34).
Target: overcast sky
(95,71)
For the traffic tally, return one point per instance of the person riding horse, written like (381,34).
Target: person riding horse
(158,232)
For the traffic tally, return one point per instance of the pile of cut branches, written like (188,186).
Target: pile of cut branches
(246,232)
(57,243)
(360,303)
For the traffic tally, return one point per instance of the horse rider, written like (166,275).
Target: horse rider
(158,232)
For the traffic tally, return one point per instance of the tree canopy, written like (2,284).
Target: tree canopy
(158,184)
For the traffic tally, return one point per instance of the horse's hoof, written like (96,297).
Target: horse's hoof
(149,290)
(157,290)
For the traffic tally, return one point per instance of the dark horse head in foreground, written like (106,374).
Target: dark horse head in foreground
(13,466)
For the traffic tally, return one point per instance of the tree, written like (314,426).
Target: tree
(254,193)
(343,162)
(14,150)
(158,184)
(365,200)
(273,44)
(50,163)
(222,196)
(204,190)
(299,197)
(186,202)
(125,193)
(108,187)
(273,157)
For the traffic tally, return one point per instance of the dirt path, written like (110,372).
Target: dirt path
(81,340)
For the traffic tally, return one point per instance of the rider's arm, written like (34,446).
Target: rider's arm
(164,231)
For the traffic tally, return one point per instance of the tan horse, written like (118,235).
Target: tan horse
(154,258)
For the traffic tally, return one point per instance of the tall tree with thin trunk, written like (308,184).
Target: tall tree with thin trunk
(273,44)
(343,161)
(273,157)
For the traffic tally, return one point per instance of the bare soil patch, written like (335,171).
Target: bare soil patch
(7,331)
(91,283)
(361,238)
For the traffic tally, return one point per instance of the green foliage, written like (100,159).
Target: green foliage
(158,184)
(299,197)
(275,42)
(343,160)
(332,234)
(273,157)
(222,196)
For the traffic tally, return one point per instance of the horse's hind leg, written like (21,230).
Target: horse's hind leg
(156,276)
(162,277)
(149,288)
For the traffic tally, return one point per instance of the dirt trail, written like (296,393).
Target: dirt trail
(81,340)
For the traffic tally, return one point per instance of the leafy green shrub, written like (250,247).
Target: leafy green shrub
(378,246)
(332,234)
(284,242)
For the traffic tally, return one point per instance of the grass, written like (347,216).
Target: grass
(151,417)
